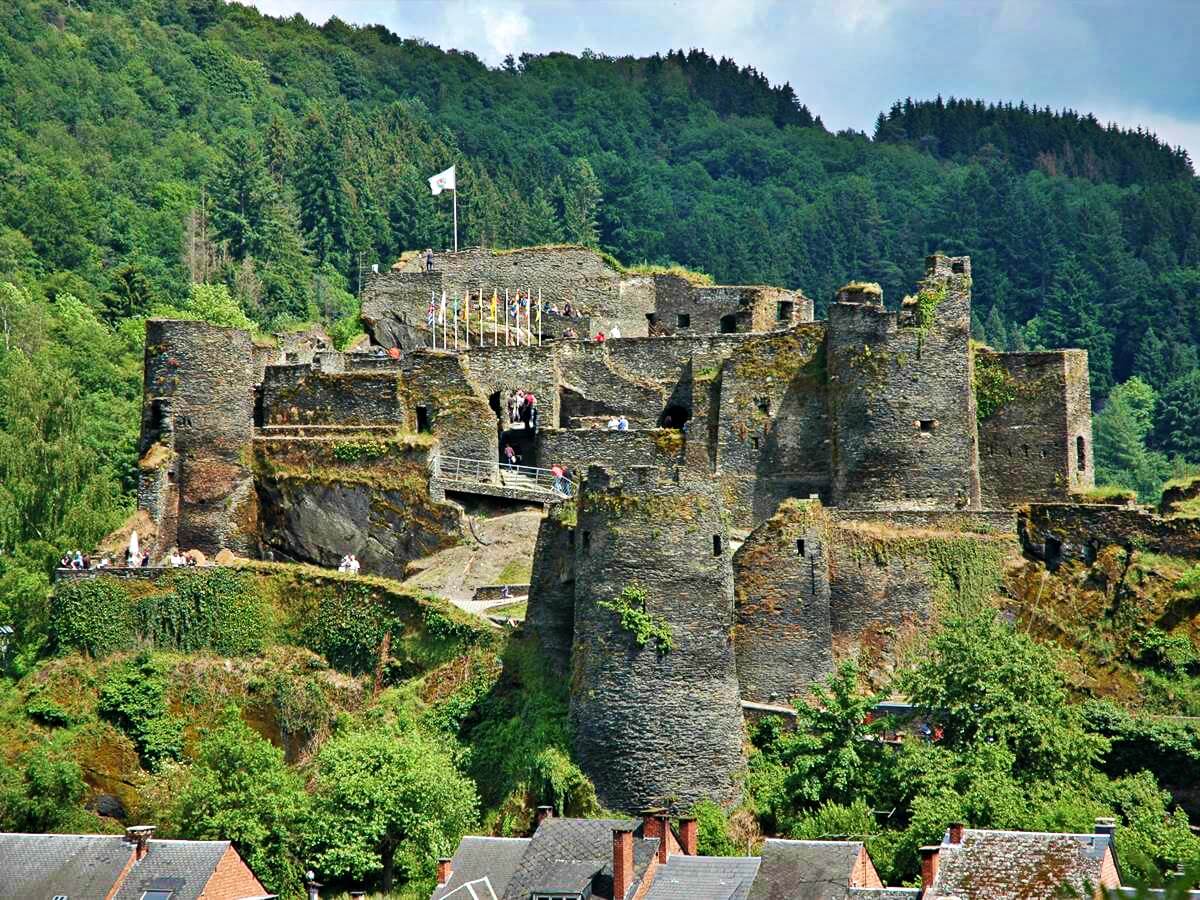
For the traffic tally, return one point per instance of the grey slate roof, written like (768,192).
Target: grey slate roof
(704,878)
(805,870)
(180,866)
(562,847)
(1029,864)
(483,857)
(82,866)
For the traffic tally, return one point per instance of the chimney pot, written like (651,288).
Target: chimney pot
(544,813)
(956,832)
(688,834)
(664,838)
(1106,826)
(622,862)
(443,870)
(929,868)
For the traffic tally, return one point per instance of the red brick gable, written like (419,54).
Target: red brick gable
(232,880)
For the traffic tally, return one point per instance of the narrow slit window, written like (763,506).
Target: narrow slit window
(1081,453)
(716,545)
(423,425)
(800,547)
(754,442)
(587,541)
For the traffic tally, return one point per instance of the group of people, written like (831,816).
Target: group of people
(349,564)
(618,423)
(179,560)
(522,407)
(83,562)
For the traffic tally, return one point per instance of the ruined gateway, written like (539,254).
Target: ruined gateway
(821,489)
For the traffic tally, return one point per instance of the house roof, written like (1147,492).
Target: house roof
(805,870)
(491,858)
(183,867)
(1026,864)
(567,848)
(704,878)
(81,866)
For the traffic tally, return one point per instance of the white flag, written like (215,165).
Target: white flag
(443,181)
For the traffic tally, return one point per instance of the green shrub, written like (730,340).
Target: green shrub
(133,698)
(630,607)
(219,610)
(91,615)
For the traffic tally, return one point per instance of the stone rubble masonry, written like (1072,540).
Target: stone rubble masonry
(1069,532)
(654,727)
(900,391)
(198,406)
(783,638)
(1030,447)
(550,611)
(396,303)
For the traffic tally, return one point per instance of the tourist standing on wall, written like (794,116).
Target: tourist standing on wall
(429,259)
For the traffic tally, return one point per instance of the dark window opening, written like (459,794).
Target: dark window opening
(800,547)
(1044,452)
(258,407)
(1089,552)
(784,310)
(957,268)
(1025,450)
(183,421)
(716,545)
(754,442)
(571,537)
(763,404)
(683,320)
(1053,552)
(423,424)
(675,416)
(651,318)
(170,476)
(587,541)
(729,324)
(494,403)
(1080,454)
(926,425)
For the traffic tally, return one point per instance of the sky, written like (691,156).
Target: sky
(1132,62)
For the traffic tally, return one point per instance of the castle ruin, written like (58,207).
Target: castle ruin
(784,496)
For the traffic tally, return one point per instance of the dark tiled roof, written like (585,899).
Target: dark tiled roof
(180,866)
(704,878)
(81,866)
(1025,864)
(495,859)
(805,870)
(582,844)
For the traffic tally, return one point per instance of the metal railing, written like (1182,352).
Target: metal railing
(466,470)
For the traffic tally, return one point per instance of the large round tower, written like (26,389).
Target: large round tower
(654,691)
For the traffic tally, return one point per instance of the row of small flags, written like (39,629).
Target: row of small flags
(518,310)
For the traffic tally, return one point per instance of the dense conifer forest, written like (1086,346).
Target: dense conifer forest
(196,158)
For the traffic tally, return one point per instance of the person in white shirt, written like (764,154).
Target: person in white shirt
(612,423)
(615,332)
(353,564)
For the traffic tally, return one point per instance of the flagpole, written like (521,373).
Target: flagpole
(506,343)
(455,219)
(455,326)
(539,317)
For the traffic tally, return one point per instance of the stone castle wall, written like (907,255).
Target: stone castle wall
(783,637)
(303,395)
(550,613)
(903,407)
(654,727)
(579,448)
(199,396)
(1027,446)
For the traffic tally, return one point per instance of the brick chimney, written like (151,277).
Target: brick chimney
(664,838)
(651,822)
(1106,826)
(543,813)
(929,867)
(139,836)
(688,834)
(956,833)
(622,862)
(443,870)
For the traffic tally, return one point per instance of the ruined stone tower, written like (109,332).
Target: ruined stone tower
(900,394)
(197,424)
(655,726)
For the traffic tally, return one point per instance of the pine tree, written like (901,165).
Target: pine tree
(581,204)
